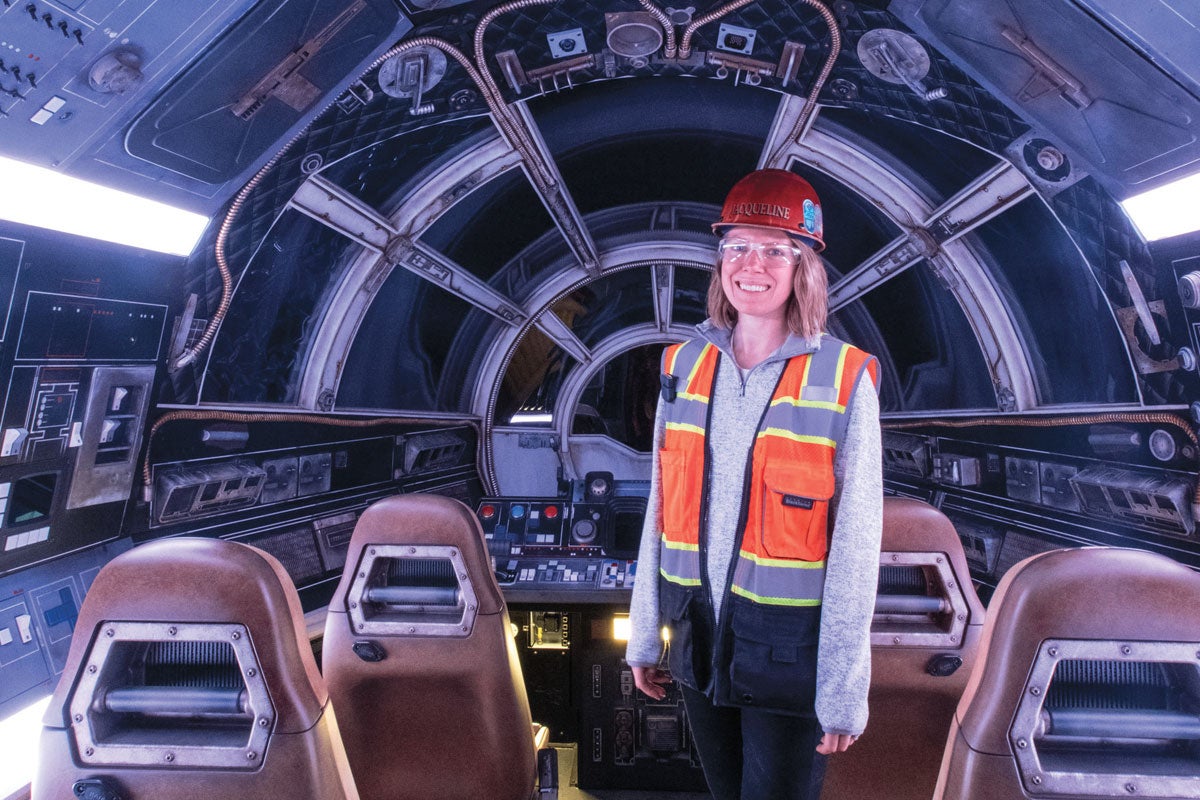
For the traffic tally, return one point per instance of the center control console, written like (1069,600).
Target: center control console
(566,566)
(562,549)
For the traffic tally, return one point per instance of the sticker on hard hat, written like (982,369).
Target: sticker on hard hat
(811,216)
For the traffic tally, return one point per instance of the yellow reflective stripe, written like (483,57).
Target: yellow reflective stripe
(671,357)
(677,579)
(841,364)
(790,563)
(686,427)
(700,360)
(690,396)
(796,437)
(795,401)
(773,601)
(804,375)
(679,545)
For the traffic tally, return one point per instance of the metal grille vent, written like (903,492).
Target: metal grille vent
(1111,685)
(210,665)
(435,572)
(902,580)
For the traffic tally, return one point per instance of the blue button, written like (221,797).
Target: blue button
(517,512)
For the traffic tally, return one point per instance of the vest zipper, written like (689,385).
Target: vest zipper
(702,534)
(719,632)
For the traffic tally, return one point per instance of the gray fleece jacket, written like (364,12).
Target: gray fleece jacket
(856,510)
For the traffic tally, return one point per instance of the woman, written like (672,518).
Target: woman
(761,546)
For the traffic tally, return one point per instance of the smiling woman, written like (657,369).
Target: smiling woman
(766,434)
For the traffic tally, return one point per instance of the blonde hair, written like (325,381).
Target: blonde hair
(807,308)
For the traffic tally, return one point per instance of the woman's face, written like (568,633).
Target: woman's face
(757,269)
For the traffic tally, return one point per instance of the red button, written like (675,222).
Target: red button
(551,512)
(487,512)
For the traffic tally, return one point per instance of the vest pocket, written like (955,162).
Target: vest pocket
(773,663)
(682,611)
(795,511)
(672,470)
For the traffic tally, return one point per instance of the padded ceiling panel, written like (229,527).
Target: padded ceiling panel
(1087,86)
(268,77)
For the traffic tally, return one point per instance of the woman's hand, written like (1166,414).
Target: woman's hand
(650,681)
(835,743)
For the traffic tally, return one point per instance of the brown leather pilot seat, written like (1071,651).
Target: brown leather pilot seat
(421,660)
(190,675)
(924,639)
(1087,672)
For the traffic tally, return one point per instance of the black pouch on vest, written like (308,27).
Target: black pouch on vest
(773,663)
(667,385)
(689,651)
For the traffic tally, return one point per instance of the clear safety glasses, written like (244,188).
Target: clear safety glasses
(772,254)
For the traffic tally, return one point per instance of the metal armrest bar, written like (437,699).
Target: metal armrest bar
(1095,723)
(910,604)
(176,701)
(414,595)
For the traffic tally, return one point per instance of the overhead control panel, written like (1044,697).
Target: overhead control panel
(74,71)
(263,80)
(74,75)
(1103,97)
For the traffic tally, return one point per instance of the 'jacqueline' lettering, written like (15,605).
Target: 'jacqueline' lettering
(763,210)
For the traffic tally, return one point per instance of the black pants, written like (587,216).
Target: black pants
(749,754)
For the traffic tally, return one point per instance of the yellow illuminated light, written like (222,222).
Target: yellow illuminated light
(621,628)
(666,633)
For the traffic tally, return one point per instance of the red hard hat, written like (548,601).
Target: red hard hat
(774,198)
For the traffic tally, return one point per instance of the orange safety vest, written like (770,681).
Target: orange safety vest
(785,538)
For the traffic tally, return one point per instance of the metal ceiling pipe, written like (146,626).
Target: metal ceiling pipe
(669,48)
(543,175)
(835,48)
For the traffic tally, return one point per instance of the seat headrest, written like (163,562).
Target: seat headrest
(913,526)
(1089,593)
(207,581)
(418,520)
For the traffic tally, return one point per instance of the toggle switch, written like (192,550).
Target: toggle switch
(25,628)
(14,438)
(108,430)
(32,9)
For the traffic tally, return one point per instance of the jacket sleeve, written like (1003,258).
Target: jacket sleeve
(852,571)
(645,641)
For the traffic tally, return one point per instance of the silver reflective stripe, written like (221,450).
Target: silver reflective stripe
(826,364)
(766,581)
(821,394)
(679,563)
(810,421)
(688,411)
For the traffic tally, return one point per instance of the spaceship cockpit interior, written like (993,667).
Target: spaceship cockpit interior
(332,335)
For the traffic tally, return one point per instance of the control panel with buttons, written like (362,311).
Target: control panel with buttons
(562,547)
